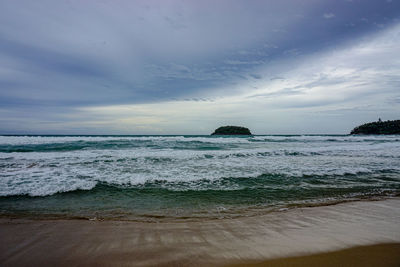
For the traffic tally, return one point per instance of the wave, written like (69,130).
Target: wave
(9,144)
(156,201)
(151,174)
(275,182)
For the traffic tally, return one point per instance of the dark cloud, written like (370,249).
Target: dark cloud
(74,54)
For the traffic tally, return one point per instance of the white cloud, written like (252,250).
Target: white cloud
(327,92)
(329,15)
(367,66)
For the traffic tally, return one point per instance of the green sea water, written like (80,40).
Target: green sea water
(157,178)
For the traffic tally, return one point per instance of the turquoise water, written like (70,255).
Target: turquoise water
(152,178)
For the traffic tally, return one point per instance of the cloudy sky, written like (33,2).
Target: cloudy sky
(187,67)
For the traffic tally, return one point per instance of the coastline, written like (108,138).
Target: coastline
(291,233)
(244,213)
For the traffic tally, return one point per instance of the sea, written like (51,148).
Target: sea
(181,178)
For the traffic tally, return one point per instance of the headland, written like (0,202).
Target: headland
(378,127)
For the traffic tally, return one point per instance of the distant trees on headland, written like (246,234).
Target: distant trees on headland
(378,127)
(231,130)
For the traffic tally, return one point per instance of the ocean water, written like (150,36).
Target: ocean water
(155,178)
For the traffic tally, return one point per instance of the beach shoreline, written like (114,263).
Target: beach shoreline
(244,213)
(295,232)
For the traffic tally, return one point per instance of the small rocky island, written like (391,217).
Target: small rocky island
(231,130)
(378,127)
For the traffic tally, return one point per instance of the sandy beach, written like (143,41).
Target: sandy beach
(247,240)
(361,256)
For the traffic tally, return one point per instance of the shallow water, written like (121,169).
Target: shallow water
(186,177)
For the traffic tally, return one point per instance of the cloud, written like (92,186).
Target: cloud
(329,92)
(354,74)
(60,59)
(329,15)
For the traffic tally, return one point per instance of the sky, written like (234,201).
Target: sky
(187,67)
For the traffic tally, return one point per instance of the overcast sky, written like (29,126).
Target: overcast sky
(187,67)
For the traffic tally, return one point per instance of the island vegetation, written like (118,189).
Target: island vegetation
(378,127)
(232,130)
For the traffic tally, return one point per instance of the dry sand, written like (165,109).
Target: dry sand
(295,232)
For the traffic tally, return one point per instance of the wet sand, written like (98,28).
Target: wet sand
(291,233)
(382,255)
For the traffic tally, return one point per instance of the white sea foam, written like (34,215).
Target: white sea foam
(36,140)
(46,173)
